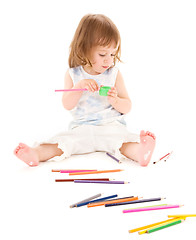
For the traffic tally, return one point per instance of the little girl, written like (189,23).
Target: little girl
(98,121)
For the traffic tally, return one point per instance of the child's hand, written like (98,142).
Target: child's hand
(90,84)
(112,95)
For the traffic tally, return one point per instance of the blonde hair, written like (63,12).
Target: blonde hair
(93,30)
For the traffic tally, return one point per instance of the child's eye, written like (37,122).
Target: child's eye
(113,55)
(101,55)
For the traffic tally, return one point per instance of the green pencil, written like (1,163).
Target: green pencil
(164,226)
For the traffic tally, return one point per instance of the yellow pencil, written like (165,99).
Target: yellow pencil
(160,224)
(182,215)
(148,226)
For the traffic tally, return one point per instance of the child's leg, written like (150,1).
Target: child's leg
(140,152)
(32,156)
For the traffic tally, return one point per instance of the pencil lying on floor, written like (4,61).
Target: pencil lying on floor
(151,208)
(131,198)
(165,157)
(158,225)
(73,170)
(132,202)
(97,200)
(85,200)
(182,215)
(164,226)
(117,160)
(72,180)
(95,172)
(150,226)
(98,181)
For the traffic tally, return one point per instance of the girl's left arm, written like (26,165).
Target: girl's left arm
(118,96)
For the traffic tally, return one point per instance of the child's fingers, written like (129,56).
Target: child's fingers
(112,92)
(93,87)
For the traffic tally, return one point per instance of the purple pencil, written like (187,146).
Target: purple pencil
(95,181)
(113,157)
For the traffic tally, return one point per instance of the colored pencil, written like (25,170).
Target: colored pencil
(159,224)
(165,157)
(98,181)
(132,202)
(97,200)
(182,215)
(132,198)
(85,200)
(149,226)
(95,172)
(72,180)
(75,171)
(58,170)
(71,90)
(164,226)
(113,157)
(151,208)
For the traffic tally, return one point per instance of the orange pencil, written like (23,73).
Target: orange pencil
(112,201)
(94,172)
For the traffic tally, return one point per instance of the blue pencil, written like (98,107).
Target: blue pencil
(132,202)
(97,200)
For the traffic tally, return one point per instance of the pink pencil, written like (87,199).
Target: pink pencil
(151,208)
(75,171)
(71,90)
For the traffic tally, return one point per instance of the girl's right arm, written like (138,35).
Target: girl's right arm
(70,99)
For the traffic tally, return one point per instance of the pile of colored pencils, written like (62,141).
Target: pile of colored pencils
(73,172)
(107,202)
(112,200)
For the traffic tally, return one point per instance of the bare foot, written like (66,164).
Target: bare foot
(27,154)
(147,144)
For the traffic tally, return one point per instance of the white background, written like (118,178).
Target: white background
(159,59)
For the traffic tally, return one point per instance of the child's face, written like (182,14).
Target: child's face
(102,58)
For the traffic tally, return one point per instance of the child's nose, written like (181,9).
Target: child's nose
(107,60)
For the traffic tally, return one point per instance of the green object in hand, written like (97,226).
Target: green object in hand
(104,90)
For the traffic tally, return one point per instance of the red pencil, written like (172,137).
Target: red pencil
(72,180)
(164,157)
